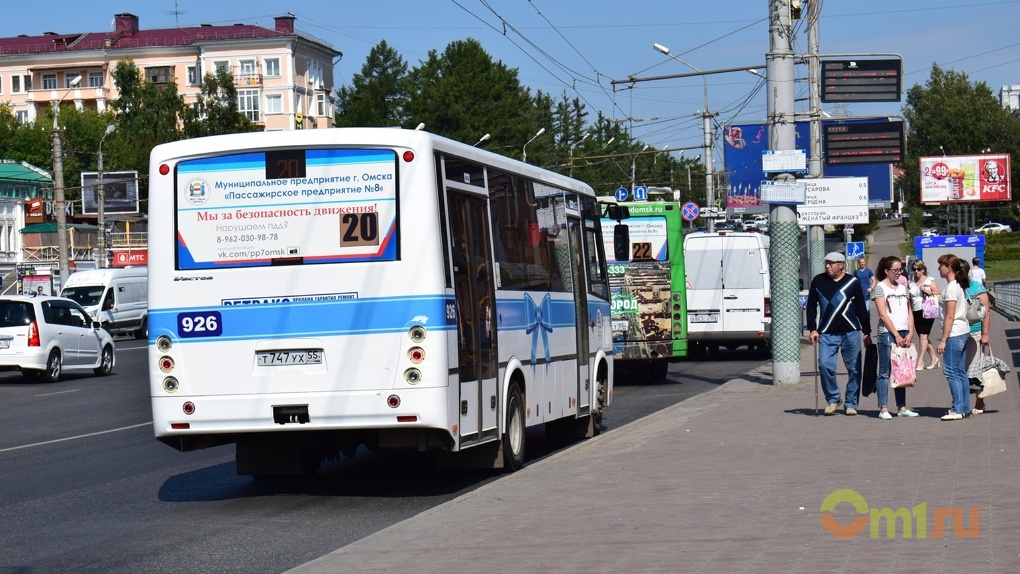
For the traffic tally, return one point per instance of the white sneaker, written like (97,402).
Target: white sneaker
(885,416)
(907,413)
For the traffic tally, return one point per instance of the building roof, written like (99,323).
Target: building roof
(127,34)
(22,172)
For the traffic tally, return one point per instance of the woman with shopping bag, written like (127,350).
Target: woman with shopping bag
(924,294)
(895,330)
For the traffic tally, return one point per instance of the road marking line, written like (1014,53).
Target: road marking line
(91,434)
(58,393)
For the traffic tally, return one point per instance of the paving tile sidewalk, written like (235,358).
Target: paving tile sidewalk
(734,481)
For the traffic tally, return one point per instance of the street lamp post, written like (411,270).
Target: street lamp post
(58,187)
(483,138)
(706,116)
(101,199)
(524,150)
(572,146)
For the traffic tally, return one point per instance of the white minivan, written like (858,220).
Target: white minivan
(728,290)
(117,298)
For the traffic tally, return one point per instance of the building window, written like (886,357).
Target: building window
(27,82)
(223,65)
(160,74)
(1,85)
(16,84)
(274,104)
(49,81)
(273,67)
(68,78)
(95,79)
(321,105)
(248,104)
(22,116)
(193,76)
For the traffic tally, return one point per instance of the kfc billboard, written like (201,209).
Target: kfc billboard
(965,178)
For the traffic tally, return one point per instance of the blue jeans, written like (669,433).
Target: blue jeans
(885,343)
(848,345)
(954,365)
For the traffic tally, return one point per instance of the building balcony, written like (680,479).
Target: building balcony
(247,80)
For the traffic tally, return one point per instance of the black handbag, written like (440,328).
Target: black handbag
(869,376)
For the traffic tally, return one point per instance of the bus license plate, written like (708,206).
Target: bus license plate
(289,357)
(714,318)
(5,343)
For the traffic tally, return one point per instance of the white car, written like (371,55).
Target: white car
(993,228)
(45,336)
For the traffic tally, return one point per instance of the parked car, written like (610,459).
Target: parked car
(44,336)
(993,228)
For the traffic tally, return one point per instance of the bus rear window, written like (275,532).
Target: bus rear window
(289,207)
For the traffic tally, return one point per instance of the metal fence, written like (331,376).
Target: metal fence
(1006,297)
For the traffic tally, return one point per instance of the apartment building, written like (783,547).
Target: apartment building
(284,78)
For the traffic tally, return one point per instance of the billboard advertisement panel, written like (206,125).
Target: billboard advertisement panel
(120,190)
(743,149)
(959,178)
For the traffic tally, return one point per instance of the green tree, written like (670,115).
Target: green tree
(462,94)
(378,95)
(951,115)
(215,110)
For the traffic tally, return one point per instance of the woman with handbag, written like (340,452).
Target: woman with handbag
(955,334)
(924,287)
(979,337)
(895,329)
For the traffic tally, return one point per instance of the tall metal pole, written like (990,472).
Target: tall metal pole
(706,116)
(816,233)
(783,252)
(58,200)
(101,200)
(58,189)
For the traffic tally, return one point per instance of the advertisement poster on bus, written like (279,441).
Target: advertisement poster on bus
(959,178)
(743,148)
(287,207)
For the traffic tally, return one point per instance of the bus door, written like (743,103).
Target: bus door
(580,282)
(475,296)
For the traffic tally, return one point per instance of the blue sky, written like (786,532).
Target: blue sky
(580,46)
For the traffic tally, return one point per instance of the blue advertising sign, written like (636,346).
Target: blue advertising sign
(743,148)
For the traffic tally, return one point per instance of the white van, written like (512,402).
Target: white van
(117,298)
(728,295)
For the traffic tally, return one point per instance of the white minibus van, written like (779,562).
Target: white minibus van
(728,294)
(117,298)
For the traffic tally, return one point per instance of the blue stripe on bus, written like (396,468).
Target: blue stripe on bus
(518,314)
(311,318)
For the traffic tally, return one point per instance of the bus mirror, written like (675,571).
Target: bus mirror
(621,242)
(617,212)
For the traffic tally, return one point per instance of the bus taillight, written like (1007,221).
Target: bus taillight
(408,156)
(416,354)
(768,307)
(164,169)
(166,364)
(189,408)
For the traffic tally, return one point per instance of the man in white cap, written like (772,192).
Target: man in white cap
(836,317)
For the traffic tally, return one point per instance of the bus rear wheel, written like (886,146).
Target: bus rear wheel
(513,435)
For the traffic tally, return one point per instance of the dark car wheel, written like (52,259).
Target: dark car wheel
(53,367)
(105,363)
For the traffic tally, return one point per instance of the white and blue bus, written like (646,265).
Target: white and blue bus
(314,291)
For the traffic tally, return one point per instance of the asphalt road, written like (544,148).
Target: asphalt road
(84,486)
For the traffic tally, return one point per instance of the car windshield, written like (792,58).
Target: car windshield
(15,313)
(84,296)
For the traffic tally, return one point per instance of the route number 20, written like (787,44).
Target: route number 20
(359,229)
